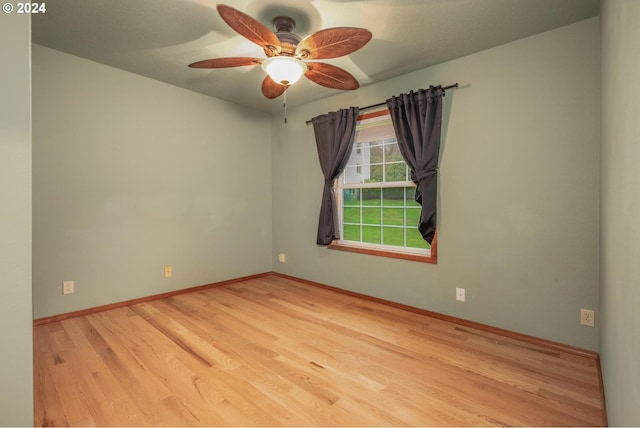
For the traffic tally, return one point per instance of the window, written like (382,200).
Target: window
(375,196)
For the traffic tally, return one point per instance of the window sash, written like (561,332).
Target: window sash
(377,246)
(382,184)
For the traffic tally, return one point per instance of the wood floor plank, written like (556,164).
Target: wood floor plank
(45,390)
(271,351)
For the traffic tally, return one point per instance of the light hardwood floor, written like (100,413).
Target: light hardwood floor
(276,352)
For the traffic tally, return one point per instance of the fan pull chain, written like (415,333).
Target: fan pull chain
(284,105)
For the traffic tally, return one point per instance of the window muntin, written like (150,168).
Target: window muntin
(375,194)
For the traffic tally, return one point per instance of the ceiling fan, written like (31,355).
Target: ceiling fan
(288,55)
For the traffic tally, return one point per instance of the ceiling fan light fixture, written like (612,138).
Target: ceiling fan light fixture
(284,70)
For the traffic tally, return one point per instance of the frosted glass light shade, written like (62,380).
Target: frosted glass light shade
(284,70)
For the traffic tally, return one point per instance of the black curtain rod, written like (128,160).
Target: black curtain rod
(455,85)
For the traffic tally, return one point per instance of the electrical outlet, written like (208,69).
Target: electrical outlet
(168,271)
(587,317)
(460,294)
(68,287)
(282,258)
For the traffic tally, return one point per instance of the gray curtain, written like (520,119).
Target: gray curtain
(417,118)
(335,133)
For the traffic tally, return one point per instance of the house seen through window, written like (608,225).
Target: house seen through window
(375,193)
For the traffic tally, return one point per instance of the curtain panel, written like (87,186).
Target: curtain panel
(334,134)
(417,120)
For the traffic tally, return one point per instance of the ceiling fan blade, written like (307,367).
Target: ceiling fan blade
(333,42)
(250,28)
(330,76)
(271,89)
(225,62)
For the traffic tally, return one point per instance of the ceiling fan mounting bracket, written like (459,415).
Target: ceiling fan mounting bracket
(271,50)
(304,53)
(284,23)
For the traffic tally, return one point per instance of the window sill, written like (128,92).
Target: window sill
(432,258)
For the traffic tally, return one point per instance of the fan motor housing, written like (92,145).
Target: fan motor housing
(284,26)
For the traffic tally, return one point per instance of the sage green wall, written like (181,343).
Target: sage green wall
(16,364)
(130,175)
(620,234)
(519,190)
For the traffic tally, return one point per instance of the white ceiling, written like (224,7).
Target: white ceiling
(159,38)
